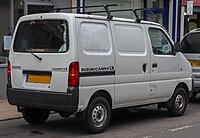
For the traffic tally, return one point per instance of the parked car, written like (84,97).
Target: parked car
(190,47)
(88,65)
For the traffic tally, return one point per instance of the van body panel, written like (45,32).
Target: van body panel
(55,63)
(96,58)
(165,67)
(132,83)
(168,69)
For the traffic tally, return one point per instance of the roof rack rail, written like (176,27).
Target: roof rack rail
(138,20)
(106,7)
(107,10)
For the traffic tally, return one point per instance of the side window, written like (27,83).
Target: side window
(94,37)
(159,42)
(129,39)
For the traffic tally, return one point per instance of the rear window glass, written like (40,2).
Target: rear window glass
(191,43)
(46,36)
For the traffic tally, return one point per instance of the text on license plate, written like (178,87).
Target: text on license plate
(195,63)
(38,79)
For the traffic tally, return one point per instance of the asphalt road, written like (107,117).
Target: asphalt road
(145,122)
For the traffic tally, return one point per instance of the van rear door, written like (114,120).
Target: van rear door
(40,56)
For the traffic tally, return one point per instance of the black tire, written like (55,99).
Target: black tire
(98,115)
(194,95)
(178,102)
(35,116)
(64,115)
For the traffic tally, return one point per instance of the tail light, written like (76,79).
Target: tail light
(9,71)
(74,73)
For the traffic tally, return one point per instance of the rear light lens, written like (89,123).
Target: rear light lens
(74,73)
(9,71)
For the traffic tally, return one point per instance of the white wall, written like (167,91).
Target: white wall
(62,3)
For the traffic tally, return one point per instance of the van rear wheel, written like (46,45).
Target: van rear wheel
(98,115)
(178,102)
(35,116)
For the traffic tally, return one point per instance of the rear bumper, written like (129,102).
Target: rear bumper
(53,101)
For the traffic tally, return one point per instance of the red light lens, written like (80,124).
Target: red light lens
(73,80)
(9,69)
(9,72)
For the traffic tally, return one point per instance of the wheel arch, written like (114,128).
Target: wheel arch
(184,86)
(171,105)
(169,102)
(102,93)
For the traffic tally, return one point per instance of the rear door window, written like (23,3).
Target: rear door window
(46,36)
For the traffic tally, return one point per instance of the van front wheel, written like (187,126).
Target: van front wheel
(98,115)
(35,116)
(178,102)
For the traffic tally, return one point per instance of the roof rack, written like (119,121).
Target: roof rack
(106,7)
(138,20)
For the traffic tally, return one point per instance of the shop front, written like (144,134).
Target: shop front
(191,21)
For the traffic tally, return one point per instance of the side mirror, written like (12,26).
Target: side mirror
(177,47)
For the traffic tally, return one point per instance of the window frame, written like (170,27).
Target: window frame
(165,34)
(23,51)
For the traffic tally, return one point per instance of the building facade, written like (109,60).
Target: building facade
(190,22)
(165,12)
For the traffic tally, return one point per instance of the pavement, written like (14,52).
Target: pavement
(8,112)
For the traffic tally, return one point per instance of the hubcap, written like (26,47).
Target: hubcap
(99,115)
(179,103)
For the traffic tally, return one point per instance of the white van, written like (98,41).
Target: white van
(190,47)
(88,65)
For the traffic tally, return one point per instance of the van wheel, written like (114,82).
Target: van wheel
(178,103)
(35,116)
(98,115)
(64,114)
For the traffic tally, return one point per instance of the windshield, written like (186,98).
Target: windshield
(42,36)
(191,43)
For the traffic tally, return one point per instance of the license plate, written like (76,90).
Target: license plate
(195,63)
(38,79)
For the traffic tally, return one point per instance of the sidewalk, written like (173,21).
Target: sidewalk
(8,112)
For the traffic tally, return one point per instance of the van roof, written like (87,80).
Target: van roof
(74,15)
